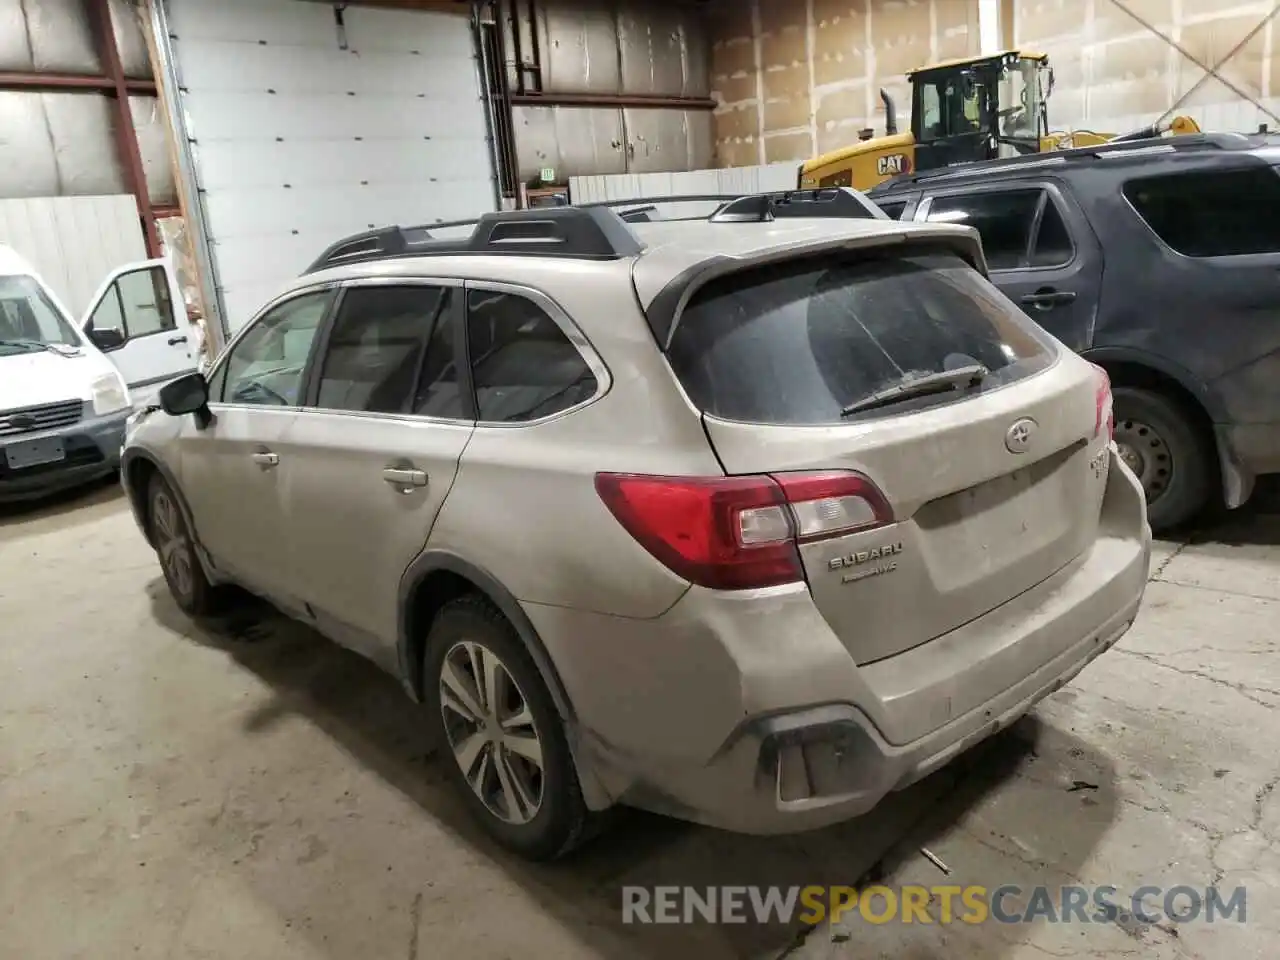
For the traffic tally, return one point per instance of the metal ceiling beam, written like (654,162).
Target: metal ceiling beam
(69,83)
(135,177)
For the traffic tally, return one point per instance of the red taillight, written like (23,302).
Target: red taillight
(1105,409)
(736,533)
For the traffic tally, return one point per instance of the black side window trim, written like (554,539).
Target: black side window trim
(1049,193)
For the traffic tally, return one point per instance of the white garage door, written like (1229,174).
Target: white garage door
(304,132)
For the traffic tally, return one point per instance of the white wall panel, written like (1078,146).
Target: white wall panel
(298,141)
(74,242)
(731,180)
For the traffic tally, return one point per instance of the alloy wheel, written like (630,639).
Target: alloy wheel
(491,732)
(172,543)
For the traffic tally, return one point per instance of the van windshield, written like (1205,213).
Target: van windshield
(29,320)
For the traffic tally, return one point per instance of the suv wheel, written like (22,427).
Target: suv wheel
(1161,445)
(499,732)
(190,588)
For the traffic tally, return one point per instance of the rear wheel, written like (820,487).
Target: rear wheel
(499,732)
(190,588)
(1161,443)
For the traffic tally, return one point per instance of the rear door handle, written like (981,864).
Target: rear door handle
(174,341)
(404,477)
(1046,298)
(265,459)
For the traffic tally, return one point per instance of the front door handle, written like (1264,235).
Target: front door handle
(265,459)
(405,478)
(174,341)
(1046,298)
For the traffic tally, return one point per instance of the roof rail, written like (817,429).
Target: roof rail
(1114,150)
(579,232)
(824,202)
(593,231)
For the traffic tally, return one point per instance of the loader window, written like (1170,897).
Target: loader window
(1225,213)
(949,106)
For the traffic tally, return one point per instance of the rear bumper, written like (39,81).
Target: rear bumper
(92,448)
(747,713)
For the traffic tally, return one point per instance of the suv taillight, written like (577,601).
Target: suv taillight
(738,533)
(1105,408)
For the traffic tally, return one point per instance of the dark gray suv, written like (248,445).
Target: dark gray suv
(1159,260)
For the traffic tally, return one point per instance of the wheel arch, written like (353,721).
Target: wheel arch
(137,467)
(1128,367)
(435,578)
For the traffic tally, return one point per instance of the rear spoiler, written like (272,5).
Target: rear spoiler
(663,311)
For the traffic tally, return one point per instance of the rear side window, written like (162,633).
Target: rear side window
(522,364)
(1212,214)
(1019,228)
(798,342)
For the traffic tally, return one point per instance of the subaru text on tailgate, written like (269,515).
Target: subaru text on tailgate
(750,518)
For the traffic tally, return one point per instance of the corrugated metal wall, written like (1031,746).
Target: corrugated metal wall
(61,144)
(650,48)
(74,242)
(799,77)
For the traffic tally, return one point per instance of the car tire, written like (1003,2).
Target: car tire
(534,810)
(176,550)
(1162,444)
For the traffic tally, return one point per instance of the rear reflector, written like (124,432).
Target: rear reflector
(739,533)
(1104,406)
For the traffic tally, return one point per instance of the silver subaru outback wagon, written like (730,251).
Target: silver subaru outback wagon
(750,518)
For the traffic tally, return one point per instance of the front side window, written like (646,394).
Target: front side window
(523,366)
(1020,99)
(266,365)
(28,319)
(1005,221)
(1225,213)
(807,341)
(137,304)
(375,350)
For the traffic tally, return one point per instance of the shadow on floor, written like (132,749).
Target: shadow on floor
(366,712)
(64,509)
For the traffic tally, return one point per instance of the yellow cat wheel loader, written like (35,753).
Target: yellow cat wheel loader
(962,111)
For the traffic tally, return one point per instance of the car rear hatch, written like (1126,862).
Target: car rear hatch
(918,511)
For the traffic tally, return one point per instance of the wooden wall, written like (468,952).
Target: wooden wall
(799,77)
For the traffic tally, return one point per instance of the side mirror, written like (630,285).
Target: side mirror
(108,338)
(187,394)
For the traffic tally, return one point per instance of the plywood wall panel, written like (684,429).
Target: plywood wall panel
(812,69)
(1117,71)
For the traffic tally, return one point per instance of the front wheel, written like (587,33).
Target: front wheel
(188,585)
(499,732)
(1160,442)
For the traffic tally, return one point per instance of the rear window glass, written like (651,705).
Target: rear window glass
(798,342)
(1206,213)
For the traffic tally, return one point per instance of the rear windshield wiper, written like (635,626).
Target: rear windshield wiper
(956,379)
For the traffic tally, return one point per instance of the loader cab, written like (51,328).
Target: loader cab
(979,109)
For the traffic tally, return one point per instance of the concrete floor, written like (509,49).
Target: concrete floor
(250,790)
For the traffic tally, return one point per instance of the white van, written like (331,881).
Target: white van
(66,389)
